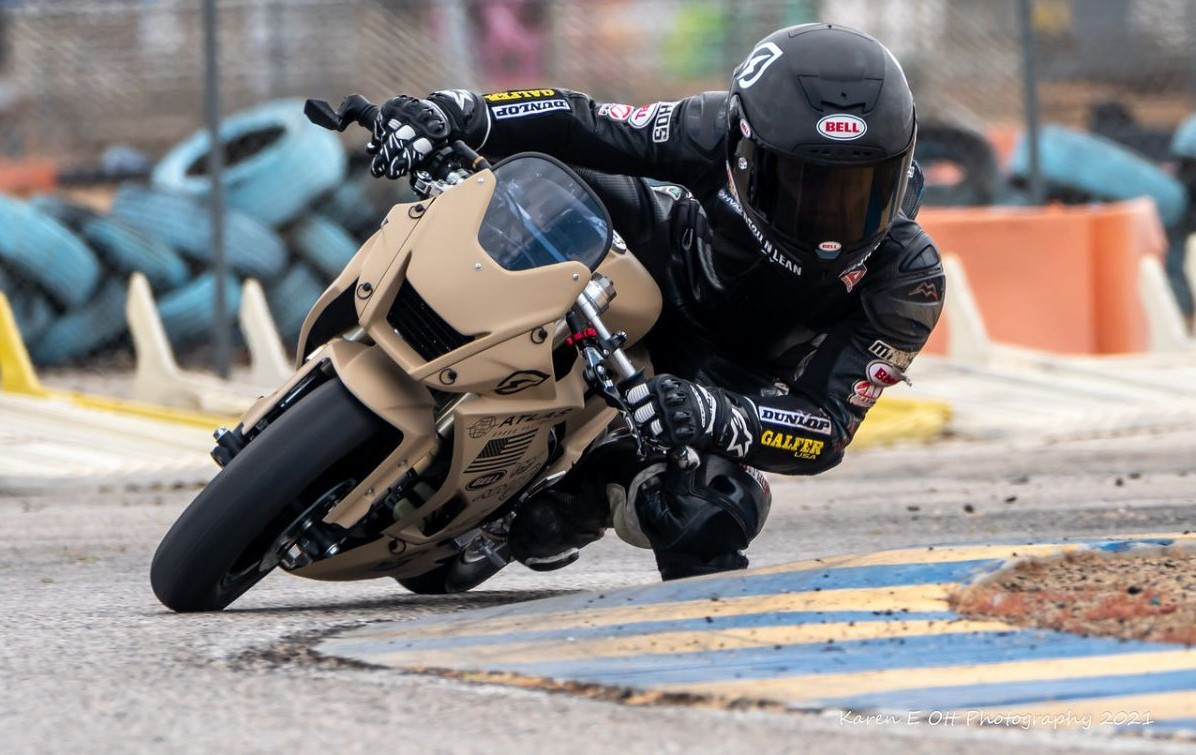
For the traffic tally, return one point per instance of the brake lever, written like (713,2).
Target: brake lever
(354,109)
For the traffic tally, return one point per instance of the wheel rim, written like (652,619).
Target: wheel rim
(248,569)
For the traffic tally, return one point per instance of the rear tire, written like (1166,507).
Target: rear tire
(215,551)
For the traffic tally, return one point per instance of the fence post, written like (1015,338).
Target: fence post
(221,340)
(1030,93)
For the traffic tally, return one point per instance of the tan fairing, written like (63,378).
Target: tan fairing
(495,435)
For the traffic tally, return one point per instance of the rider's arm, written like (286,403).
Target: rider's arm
(807,430)
(672,141)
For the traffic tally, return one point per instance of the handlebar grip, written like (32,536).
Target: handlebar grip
(354,109)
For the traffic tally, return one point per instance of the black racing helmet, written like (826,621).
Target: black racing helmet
(820,139)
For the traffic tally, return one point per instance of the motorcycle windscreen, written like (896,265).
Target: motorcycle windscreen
(542,214)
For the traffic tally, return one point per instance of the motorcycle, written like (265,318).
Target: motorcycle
(462,361)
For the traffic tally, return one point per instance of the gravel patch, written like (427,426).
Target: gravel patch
(1140,595)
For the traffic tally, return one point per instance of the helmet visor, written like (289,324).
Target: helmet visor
(820,205)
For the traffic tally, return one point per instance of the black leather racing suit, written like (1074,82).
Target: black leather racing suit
(810,351)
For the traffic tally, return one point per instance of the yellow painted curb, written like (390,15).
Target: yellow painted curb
(17,375)
(895,419)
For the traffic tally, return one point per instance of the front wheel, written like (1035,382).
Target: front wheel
(254,511)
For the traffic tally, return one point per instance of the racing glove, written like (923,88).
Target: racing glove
(672,412)
(406,131)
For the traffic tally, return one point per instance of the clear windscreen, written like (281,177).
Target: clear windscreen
(542,214)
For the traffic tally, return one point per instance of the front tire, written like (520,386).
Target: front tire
(224,541)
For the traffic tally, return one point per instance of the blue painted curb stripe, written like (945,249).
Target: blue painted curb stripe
(1030,692)
(741,586)
(1175,723)
(918,652)
(715,624)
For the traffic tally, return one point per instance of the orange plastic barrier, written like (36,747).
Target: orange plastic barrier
(1063,279)
(27,177)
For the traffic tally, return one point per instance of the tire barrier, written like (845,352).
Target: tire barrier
(323,243)
(83,329)
(1077,163)
(291,297)
(30,309)
(188,313)
(120,247)
(42,250)
(250,248)
(276,163)
(968,152)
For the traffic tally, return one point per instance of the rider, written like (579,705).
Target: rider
(797,286)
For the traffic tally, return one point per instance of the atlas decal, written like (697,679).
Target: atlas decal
(485,425)
(901,359)
(802,448)
(514,95)
(800,420)
(663,122)
(524,109)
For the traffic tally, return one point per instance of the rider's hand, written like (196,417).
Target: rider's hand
(671,412)
(406,131)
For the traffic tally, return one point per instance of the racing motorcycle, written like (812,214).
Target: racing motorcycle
(463,360)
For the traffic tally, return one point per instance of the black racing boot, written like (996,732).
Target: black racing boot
(551,527)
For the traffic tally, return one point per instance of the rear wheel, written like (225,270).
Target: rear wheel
(253,514)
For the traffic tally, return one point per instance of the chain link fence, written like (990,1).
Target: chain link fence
(101,90)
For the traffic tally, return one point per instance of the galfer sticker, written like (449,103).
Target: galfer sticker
(842,127)
(643,115)
(662,123)
(523,109)
(616,112)
(883,374)
(796,419)
(802,448)
(757,63)
(519,94)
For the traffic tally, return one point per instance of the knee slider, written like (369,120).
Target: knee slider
(715,509)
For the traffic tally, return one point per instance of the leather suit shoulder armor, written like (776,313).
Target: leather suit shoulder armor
(905,288)
(704,122)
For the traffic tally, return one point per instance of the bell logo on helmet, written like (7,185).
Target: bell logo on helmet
(842,127)
(745,129)
(755,65)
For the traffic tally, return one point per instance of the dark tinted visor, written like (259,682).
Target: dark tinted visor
(812,204)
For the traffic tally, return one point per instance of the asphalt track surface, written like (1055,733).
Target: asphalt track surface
(89,661)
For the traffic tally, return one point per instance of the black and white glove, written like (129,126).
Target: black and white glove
(406,131)
(674,412)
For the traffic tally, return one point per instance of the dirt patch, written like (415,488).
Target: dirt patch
(1133,596)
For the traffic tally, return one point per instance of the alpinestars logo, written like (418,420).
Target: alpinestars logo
(757,63)
(766,247)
